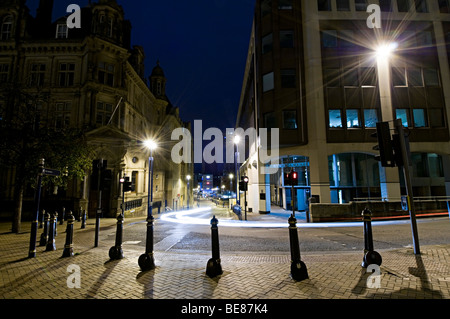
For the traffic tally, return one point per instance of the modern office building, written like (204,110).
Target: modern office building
(94,80)
(317,72)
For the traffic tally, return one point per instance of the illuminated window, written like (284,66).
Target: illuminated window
(290,119)
(335,119)
(353,119)
(420,119)
(403,114)
(370,118)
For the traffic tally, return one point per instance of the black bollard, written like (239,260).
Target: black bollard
(68,247)
(299,271)
(370,256)
(116,251)
(44,236)
(146,261)
(83,220)
(56,223)
(51,245)
(213,267)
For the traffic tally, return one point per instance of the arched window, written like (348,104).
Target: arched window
(7,27)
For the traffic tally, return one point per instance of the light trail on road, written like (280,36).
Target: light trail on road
(185,217)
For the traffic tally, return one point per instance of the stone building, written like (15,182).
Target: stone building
(93,79)
(312,71)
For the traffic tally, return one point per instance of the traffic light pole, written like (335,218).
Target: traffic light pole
(409,192)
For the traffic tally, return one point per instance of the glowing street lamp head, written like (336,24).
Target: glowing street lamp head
(188,177)
(150,144)
(231,176)
(384,51)
(237,139)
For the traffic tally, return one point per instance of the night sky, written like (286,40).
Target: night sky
(202,47)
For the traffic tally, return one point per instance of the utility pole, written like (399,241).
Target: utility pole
(407,175)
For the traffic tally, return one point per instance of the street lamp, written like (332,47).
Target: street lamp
(188,178)
(237,139)
(146,261)
(230,176)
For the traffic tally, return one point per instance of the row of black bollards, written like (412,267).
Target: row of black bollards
(48,237)
(116,251)
(214,267)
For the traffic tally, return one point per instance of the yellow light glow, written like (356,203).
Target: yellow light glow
(150,144)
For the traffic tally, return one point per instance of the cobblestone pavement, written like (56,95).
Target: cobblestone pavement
(181,275)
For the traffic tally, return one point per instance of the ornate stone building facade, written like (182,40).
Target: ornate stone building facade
(93,79)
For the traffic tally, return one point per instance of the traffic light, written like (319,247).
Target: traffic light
(294,178)
(383,134)
(127,185)
(287,179)
(243,184)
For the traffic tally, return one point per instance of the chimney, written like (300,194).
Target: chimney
(44,13)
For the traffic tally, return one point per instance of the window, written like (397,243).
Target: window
(267,44)
(286,39)
(370,118)
(436,118)
(431,77)
(324,5)
(62,114)
(290,119)
(360,5)
(332,78)
(106,73)
(329,38)
(343,5)
(353,119)
(420,119)
(403,5)
(285,4)
(66,74)
(268,82)
(351,77)
(7,27)
(435,165)
(37,74)
(386,5)
(288,78)
(368,77)
(335,119)
(421,6)
(4,72)
(266,7)
(62,32)
(444,6)
(398,76)
(104,113)
(403,114)
(270,120)
(425,39)
(134,181)
(415,77)
(347,38)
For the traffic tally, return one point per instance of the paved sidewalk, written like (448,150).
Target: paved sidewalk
(182,275)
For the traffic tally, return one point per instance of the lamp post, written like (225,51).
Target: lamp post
(230,176)
(236,156)
(146,261)
(188,178)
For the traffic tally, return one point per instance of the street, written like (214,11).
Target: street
(170,236)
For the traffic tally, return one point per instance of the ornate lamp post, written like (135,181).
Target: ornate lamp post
(188,178)
(146,261)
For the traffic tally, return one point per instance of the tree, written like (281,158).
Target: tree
(25,139)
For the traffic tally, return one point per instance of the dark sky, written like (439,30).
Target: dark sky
(202,47)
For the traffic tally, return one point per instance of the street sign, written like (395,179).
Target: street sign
(51,172)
